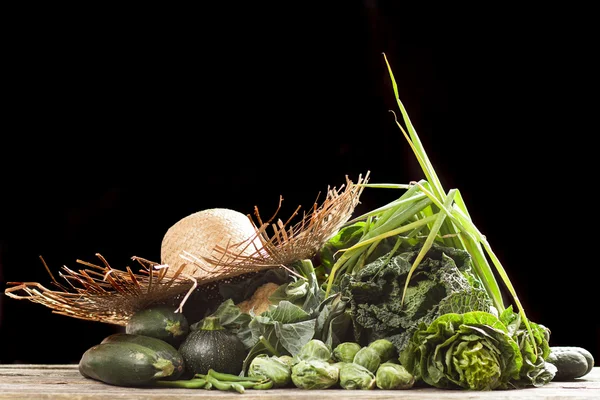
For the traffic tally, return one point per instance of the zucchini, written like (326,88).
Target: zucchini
(124,364)
(570,361)
(213,347)
(161,322)
(162,349)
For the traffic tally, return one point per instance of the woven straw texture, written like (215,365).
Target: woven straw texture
(199,234)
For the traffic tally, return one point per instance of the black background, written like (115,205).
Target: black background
(120,122)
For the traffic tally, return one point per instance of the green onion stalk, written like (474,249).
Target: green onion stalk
(425,209)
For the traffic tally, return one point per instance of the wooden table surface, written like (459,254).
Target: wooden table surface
(38,382)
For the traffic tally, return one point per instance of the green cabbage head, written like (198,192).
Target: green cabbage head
(471,351)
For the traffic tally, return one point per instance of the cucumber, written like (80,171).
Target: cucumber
(571,362)
(124,364)
(162,349)
(586,354)
(161,322)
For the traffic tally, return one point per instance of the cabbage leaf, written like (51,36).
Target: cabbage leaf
(472,351)
(443,283)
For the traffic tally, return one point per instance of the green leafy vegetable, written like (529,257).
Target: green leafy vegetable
(288,325)
(391,376)
(287,360)
(304,292)
(443,283)
(314,350)
(271,367)
(356,377)
(346,351)
(347,237)
(473,351)
(535,370)
(368,358)
(425,210)
(385,349)
(229,315)
(283,329)
(334,321)
(314,374)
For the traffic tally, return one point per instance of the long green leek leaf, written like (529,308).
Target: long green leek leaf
(460,217)
(439,219)
(392,204)
(414,141)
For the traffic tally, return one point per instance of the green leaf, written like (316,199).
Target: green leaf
(314,295)
(245,334)
(285,313)
(295,335)
(338,327)
(263,346)
(230,315)
(333,321)
(291,292)
(321,321)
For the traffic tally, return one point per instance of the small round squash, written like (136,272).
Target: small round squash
(212,347)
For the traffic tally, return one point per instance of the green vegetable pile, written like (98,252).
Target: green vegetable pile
(404,295)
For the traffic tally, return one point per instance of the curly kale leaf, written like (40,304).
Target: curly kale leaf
(443,282)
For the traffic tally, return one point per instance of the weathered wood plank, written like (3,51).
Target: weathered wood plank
(64,382)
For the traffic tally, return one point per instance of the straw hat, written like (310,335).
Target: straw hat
(207,246)
(207,235)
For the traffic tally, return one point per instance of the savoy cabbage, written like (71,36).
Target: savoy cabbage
(442,283)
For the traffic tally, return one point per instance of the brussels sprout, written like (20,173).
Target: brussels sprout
(346,351)
(368,358)
(314,349)
(314,374)
(385,349)
(354,376)
(338,364)
(271,367)
(393,376)
(289,360)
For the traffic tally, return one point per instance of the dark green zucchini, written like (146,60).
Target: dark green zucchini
(162,349)
(124,364)
(161,322)
(570,361)
(213,347)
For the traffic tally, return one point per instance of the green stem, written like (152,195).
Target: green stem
(164,368)
(211,323)
(231,377)
(268,346)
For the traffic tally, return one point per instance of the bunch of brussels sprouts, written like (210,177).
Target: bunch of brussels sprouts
(349,366)
(373,365)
